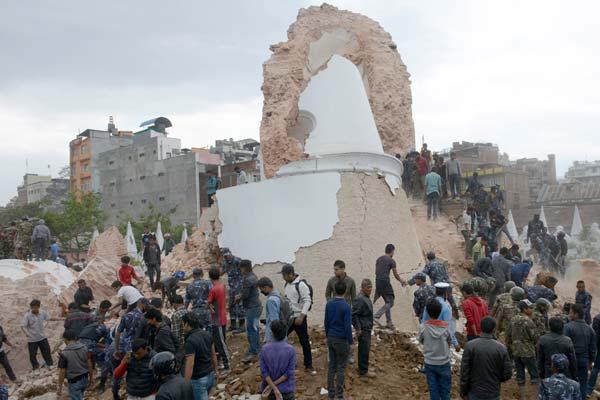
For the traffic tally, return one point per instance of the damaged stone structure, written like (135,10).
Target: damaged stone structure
(337,102)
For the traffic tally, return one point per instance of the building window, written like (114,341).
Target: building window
(141,155)
(144,201)
(129,158)
(168,155)
(154,151)
(161,199)
(142,177)
(130,179)
(131,203)
(113,183)
(111,162)
(113,205)
(161,174)
(85,167)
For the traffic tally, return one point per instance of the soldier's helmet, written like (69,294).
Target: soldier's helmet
(491,282)
(508,285)
(543,304)
(517,293)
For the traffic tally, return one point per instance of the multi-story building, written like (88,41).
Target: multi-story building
(36,188)
(85,151)
(153,173)
(584,171)
(541,172)
(473,155)
(234,151)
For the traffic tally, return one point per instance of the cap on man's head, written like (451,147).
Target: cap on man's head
(523,304)
(442,285)
(421,276)
(560,362)
(287,269)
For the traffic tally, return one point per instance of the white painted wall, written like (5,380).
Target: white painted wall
(270,220)
(337,99)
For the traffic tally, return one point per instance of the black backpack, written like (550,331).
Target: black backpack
(310,290)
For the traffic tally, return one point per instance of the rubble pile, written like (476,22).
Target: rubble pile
(200,250)
(103,261)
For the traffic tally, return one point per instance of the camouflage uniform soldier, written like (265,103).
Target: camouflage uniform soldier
(502,299)
(521,340)
(480,285)
(422,295)
(231,267)
(23,239)
(196,294)
(7,241)
(507,311)
(558,386)
(540,316)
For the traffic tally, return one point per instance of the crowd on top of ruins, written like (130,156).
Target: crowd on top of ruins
(173,344)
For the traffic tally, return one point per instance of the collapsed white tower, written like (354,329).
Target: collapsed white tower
(343,198)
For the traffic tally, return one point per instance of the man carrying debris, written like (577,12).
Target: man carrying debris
(383,287)
(231,267)
(362,320)
(40,239)
(339,271)
(299,293)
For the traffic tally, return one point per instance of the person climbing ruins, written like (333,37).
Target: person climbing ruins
(151,256)
(422,170)
(507,311)
(128,296)
(213,183)
(339,274)
(75,366)
(433,192)
(469,230)
(299,293)
(564,249)
(54,250)
(383,287)
(83,296)
(502,299)
(535,229)
(140,382)
(231,267)
(161,337)
(453,175)
(498,223)
(77,319)
(169,244)
(496,199)
(520,272)
(177,324)
(544,289)
(501,272)
(40,237)
(126,273)
(472,186)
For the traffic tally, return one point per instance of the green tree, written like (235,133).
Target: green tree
(75,226)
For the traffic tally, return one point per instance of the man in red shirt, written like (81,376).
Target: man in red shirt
(126,273)
(475,309)
(216,303)
(422,169)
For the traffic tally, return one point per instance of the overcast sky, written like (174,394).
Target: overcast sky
(520,74)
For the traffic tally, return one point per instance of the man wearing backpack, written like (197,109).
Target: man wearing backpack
(300,295)
(278,308)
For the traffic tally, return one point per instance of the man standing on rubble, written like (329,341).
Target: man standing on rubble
(40,239)
(152,259)
(339,271)
(383,287)
(33,327)
(231,267)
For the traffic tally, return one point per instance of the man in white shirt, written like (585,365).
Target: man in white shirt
(127,295)
(298,293)
(242,177)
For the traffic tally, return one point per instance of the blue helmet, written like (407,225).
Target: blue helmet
(179,275)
